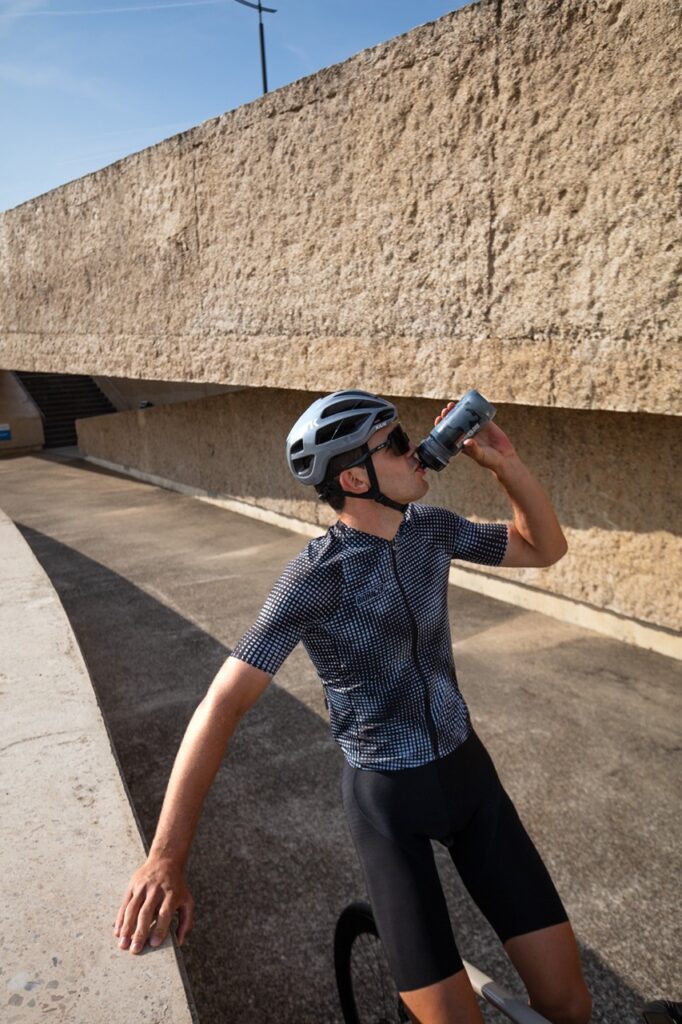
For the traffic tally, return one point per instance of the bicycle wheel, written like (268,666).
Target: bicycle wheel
(367,991)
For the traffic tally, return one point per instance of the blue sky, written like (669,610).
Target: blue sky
(86,82)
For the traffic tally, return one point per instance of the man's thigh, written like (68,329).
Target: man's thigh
(503,871)
(404,889)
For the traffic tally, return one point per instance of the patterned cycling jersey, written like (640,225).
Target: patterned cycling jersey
(372,615)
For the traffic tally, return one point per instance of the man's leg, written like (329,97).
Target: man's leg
(451,1001)
(407,899)
(506,877)
(548,961)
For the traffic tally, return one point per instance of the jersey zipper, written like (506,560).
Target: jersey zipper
(430,724)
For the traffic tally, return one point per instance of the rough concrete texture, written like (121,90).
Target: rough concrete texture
(67,831)
(19,412)
(490,196)
(610,477)
(585,733)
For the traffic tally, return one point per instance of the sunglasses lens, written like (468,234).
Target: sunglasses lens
(399,441)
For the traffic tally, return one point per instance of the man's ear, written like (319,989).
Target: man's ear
(355,479)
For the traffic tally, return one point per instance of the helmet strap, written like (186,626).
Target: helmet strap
(374,494)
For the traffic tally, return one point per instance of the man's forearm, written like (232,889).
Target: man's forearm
(196,764)
(534,516)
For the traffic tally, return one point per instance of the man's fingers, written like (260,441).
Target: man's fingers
(145,918)
(186,918)
(185,910)
(121,912)
(138,918)
(155,891)
(163,922)
(444,412)
(129,919)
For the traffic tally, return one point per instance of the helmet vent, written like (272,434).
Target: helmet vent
(297,446)
(342,404)
(339,429)
(302,464)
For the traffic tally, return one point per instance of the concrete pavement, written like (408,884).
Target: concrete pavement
(585,732)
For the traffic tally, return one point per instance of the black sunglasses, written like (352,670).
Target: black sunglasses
(397,441)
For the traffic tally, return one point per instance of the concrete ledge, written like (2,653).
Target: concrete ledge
(67,830)
(618,627)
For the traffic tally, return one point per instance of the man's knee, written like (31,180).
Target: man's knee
(451,1001)
(575,1007)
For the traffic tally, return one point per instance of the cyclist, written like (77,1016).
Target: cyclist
(369,602)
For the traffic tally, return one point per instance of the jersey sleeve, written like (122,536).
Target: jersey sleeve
(281,623)
(484,543)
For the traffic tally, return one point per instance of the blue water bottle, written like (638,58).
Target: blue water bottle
(447,439)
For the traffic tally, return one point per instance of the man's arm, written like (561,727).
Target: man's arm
(535,536)
(158,888)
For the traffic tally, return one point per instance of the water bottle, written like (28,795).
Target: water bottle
(447,439)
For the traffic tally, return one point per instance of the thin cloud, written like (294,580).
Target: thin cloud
(298,52)
(57,79)
(93,160)
(16,9)
(104,10)
(172,127)
(147,137)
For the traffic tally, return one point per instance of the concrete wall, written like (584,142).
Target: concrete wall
(610,475)
(20,414)
(488,200)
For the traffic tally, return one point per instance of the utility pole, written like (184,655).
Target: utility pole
(270,10)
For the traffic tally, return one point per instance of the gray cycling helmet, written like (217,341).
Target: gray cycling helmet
(334,424)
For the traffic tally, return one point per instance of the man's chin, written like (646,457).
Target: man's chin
(422,486)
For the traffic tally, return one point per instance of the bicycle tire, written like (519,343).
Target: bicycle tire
(374,998)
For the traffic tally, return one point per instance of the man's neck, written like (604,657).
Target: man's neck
(371,517)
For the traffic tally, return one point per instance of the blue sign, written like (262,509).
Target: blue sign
(5,432)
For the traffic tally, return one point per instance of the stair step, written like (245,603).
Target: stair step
(88,403)
(67,406)
(81,394)
(66,422)
(63,399)
(30,375)
(74,409)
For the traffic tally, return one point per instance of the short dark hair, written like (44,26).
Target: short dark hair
(330,489)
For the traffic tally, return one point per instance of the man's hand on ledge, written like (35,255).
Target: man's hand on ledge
(154,893)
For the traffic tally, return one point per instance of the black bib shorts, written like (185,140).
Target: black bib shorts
(459,801)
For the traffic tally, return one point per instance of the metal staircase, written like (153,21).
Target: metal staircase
(62,399)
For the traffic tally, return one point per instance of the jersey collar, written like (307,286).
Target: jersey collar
(350,535)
